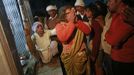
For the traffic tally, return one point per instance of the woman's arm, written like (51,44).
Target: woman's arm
(83,27)
(64,31)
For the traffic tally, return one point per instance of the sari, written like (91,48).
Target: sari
(76,61)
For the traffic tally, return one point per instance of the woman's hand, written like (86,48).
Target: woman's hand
(71,15)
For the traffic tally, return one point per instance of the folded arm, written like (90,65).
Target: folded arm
(64,31)
(84,27)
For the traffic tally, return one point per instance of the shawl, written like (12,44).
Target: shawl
(75,61)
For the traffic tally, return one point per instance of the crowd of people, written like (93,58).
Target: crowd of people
(96,39)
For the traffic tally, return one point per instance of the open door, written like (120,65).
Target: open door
(9,60)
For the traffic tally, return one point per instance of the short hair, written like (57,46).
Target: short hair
(36,18)
(93,8)
(102,7)
(130,3)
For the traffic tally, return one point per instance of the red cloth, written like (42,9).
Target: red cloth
(84,28)
(118,32)
(97,29)
(65,31)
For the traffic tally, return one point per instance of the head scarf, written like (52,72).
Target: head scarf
(35,24)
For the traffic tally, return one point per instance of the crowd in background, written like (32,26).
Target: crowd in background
(96,39)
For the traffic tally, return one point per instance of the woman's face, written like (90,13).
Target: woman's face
(70,13)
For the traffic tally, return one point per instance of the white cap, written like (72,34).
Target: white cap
(35,24)
(51,7)
(79,3)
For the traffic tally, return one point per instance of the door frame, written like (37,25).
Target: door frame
(8,43)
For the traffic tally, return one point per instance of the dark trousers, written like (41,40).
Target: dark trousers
(120,68)
(107,64)
(60,48)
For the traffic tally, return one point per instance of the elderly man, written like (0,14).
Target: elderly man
(43,43)
(51,21)
(52,18)
(80,7)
